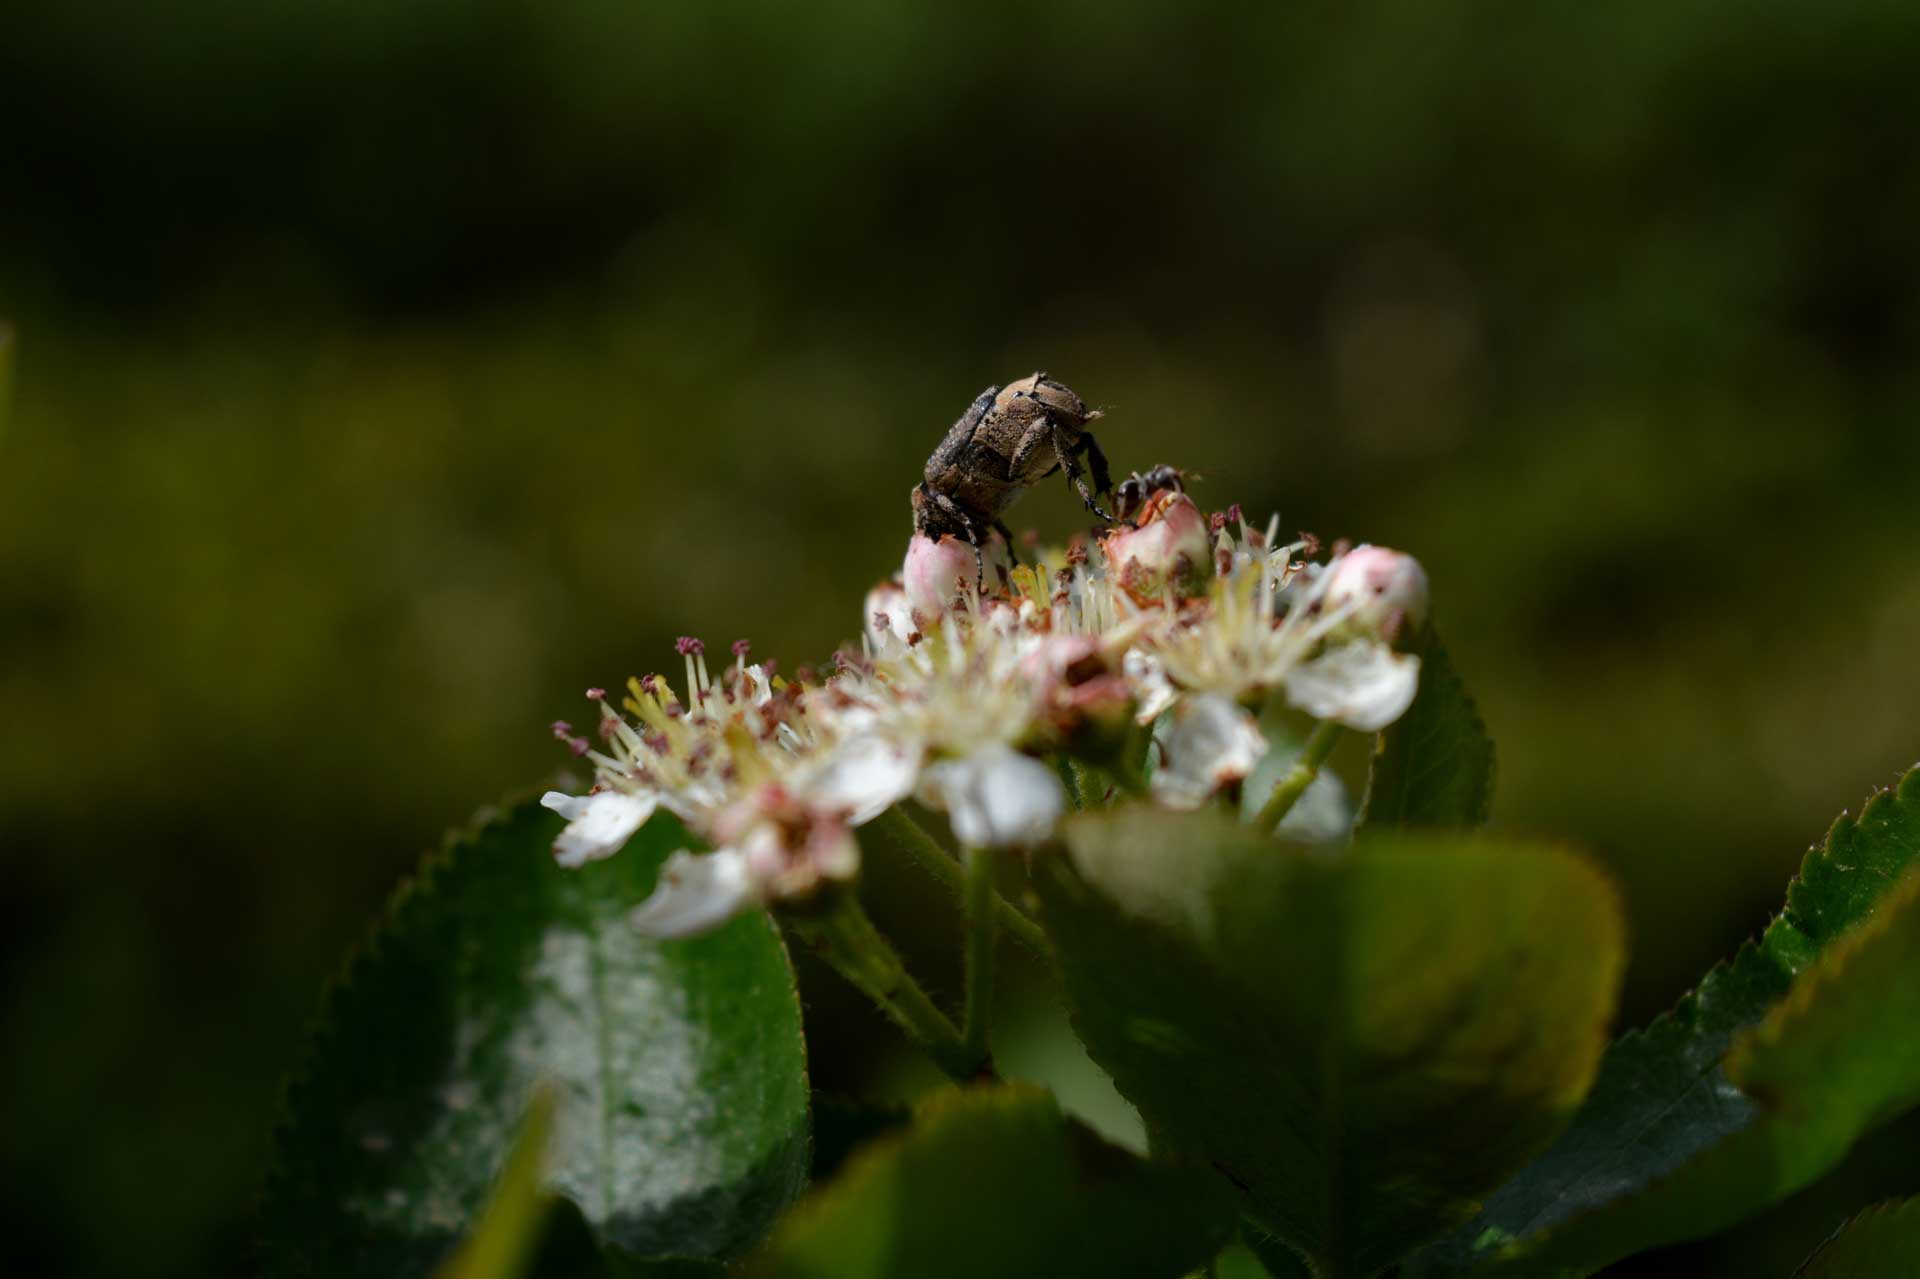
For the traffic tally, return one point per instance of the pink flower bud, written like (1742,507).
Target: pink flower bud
(939,573)
(1386,591)
(1168,548)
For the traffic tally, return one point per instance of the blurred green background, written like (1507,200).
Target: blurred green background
(388,373)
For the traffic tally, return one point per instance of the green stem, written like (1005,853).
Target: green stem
(980,917)
(843,935)
(897,828)
(1070,779)
(1131,768)
(1290,788)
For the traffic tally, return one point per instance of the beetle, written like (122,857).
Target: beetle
(1009,438)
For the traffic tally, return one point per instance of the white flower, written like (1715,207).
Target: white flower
(696,893)
(1364,685)
(1210,743)
(889,615)
(1321,815)
(862,776)
(996,797)
(1148,679)
(598,825)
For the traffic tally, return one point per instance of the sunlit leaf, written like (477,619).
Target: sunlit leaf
(677,1068)
(1663,1096)
(997,1181)
(1363,1041)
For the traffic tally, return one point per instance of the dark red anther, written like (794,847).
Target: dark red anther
(741,648)
(688,646)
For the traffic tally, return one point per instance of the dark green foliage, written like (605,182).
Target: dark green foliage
(677,1069)
(842,1126)
(1433,766)
(1881,1243)
(1664,1096)
(996,1181)
(1362,1042)
(1840,1054)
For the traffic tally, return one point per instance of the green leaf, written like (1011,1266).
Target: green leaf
(1434,765)
(1839,1055)
(1364,1041)
(1663,1097)
(1275,1259)
(503,1240)
(1881,1243)
(996,1181)
(678,1069)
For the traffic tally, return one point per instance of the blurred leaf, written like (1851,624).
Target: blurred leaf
(1275,1258)
(678,1069)
(1434,765)
(1881,1243)
(6,377)
(502,1241)
(1365,1041)
(1664,1096)
(996,1181)
(1247,1260)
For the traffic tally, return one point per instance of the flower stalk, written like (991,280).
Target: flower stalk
(844,936)
(1288,790)
(981,935)
(897,829)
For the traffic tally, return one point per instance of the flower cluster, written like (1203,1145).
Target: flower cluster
(980,684)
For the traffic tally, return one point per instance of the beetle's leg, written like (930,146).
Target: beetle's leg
(952,508)
(1102,477)
(1071,466)
(1000,527)
(1038,436)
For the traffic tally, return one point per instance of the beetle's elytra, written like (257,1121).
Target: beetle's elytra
(1009,438)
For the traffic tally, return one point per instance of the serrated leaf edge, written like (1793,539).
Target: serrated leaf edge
(1904,791)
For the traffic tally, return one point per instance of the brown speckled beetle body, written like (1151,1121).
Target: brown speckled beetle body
(1009,438)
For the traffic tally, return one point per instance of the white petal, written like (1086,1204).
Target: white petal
(1321,815)
(696,894)
(1363,685)
(1210,741)
(863,776)
(597,825)
(1148,679)
(997,797)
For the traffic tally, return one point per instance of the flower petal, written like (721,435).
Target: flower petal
(1364,685)
(863,776)
(696,894)
(997,797)
(1210,742)
(1321,815)
(1147,677)
(597,825)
